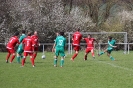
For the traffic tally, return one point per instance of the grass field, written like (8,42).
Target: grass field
(100,72)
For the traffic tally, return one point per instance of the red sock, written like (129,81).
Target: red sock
(32,61)
(8,55)
(13,56)
(34,55)
(74,56)
(23,61)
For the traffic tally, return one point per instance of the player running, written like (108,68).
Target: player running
(111,46)
(90,46)
(20,49)
(36,43)
(28,49)
(59,47)
(77,36)
(11,45)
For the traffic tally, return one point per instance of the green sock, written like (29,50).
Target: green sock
(112,58)
(18,59)
(55,61)
(101,53)
(61,62)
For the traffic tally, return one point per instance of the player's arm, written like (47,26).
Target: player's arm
(112,45)
(53,49)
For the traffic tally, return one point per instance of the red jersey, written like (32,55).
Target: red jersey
(12,42)
(77,36)
(90,42)
(35,40)
(28,42)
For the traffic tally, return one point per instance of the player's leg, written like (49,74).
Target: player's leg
(35,53)
(76,48)
(109,55)
(92,52)
(62,54)
(32,59)
(8,55)
(19,54)
(56,56)
(86,53)
(102,52)
(24,58)
(13,55)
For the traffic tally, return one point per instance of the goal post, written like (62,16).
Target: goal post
(120,37)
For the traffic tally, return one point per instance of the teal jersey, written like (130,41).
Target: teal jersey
(21,39)
(60,42)
(112,42)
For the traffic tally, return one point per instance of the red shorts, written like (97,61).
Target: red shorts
(28,53)
(89,50)
(76,48)
(35,48)
(11,50)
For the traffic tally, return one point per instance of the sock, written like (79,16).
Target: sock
(85,57)
(8,55)
(32,61)
(74,56)
(61,62)
(18,59)
(34,55)
(13,56)
(112,58)
(101,53)
(55,61)
(93,54)
(23,61)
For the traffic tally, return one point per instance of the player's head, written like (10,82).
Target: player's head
(109,38)
(23,31)
(57,33)
(89,35)
(16,33)
(29,34)
(78,29)
(61,33)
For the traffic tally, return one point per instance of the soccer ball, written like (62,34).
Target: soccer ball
(43,56)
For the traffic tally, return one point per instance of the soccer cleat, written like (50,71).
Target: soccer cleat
(33,66)
(98,54)
(72,59)
(6,61)
(55,65)
(22,66)
(85,59)
(94,57)
(61,66)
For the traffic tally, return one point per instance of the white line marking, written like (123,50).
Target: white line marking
(116,66)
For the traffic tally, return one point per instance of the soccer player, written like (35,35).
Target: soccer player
(90,46)
(10,47)
(59,47)
(28,49)
(77,36)
(111,46)
(20,47)
(36,43)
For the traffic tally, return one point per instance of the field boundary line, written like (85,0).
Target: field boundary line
(116,66)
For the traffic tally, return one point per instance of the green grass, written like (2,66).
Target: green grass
(93,73)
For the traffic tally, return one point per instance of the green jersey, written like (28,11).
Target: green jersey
(60,42)
(21,39)
(112,42)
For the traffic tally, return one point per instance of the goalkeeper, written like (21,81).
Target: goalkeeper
(111,46)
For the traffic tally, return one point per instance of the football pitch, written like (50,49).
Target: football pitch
(100,72)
